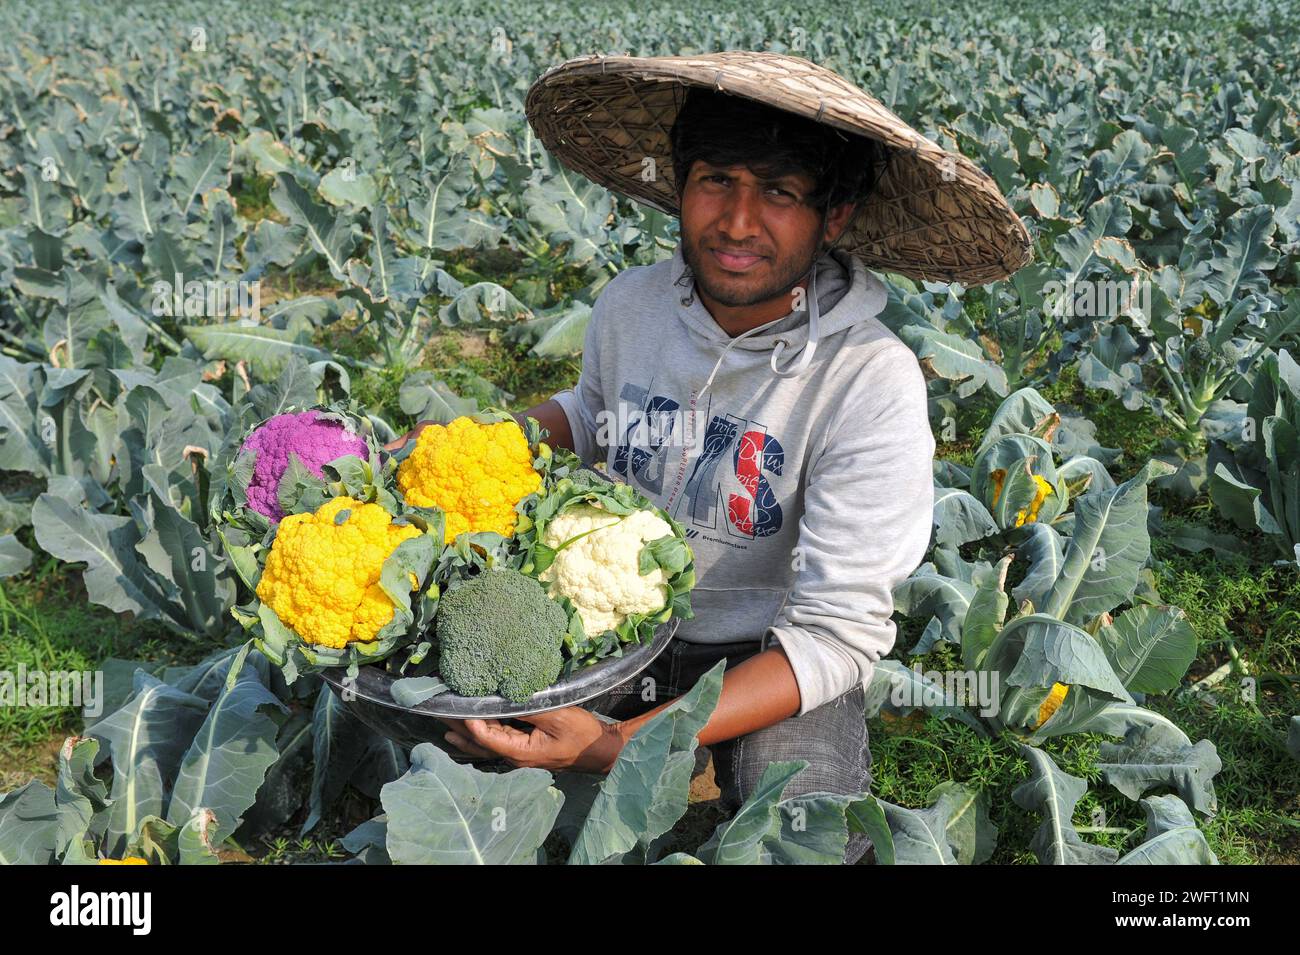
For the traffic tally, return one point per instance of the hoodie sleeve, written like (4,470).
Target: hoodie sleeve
(584,402)
(865,527)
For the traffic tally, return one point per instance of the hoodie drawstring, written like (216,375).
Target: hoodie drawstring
(796,367)
(814,314)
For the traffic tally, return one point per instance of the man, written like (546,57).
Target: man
(747,387)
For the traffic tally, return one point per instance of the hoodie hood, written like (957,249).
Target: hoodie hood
(842,293)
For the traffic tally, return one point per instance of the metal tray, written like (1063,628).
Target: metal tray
(370,698)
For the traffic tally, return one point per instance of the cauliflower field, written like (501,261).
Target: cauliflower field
(215,213)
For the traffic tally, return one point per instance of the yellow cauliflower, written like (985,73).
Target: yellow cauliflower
(322,577)
(129,860)
(1053,703)
(599,572)
(1029,514)
(475,472)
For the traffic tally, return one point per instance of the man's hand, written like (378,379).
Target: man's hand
(571,738)
(400,443)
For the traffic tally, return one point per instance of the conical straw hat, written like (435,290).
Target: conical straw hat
(933,215)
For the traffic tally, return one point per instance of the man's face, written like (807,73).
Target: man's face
(748,239)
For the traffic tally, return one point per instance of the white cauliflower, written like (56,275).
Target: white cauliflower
(599,572)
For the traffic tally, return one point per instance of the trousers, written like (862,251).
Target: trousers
(832,739)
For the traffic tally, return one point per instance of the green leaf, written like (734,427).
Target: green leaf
(921,836)
(1141,763)
(147,740)
(330,234)
(114,576)
(1022,412)
(267,350)
(1150,648)
(803,830)
(645,792)
(338,746)
(444,813)
(483,301)
(1242,259)
(227,761)
(971,833)
(14,556)
(1110,544)
(425,397)
(29,826)
(207,168)
(1053,794)
(358,189)
(1044,549)
(1171,838)
(955,359)
(960,517)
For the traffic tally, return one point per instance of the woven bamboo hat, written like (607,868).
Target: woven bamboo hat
(933,215)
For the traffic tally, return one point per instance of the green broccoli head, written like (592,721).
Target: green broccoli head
(500,633)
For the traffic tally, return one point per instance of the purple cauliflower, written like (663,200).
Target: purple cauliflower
(315,440)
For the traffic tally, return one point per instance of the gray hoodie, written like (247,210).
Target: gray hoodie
(798,456)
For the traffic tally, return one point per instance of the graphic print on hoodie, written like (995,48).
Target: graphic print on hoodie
(798,456)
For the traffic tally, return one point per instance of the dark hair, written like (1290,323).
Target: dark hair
(726,130)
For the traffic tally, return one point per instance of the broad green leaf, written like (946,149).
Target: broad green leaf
(445,813)
(29,826)
(78,795)
(147,740)
(920,836)
(425,397)
(1137,765)
(343,188)
(330,233)
(114,576)
(1021,412)
(1044,550)
(1109,545)
(955,359)
(208,167)
(480,302)
(645,792)
(960,517)
(338,745)
(803,830)
(267,350)
(14,556)
(1150,648)
(971,833)
(1171,838)
(1243,257)
(227,761)
(1053,794)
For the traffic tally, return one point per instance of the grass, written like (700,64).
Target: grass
(47,623)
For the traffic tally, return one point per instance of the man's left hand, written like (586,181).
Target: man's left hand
(571,738)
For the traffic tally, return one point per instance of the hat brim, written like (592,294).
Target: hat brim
(933,216)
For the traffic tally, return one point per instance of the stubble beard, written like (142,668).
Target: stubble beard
(788,272)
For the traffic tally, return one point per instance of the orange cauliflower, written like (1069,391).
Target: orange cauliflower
(322,575)
(475,472)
